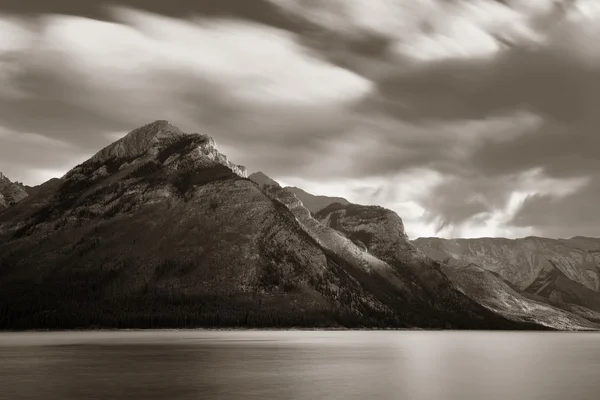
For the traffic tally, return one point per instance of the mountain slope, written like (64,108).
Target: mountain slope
(264,181)
(520,261)
(315,203)
(159,229)
(310,201)
(381,232)
(494,293)
(560,272)
(552,284)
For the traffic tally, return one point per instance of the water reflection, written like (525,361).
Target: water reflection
(299,365)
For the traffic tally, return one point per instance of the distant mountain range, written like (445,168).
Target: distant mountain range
(160,229)
(561,272)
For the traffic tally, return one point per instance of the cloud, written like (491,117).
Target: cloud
(400,192)
(26,156)
(557,78)
(428,29)
(460,204)
(564,217)
(259,11)
(553,86)
(239,81)
(465,117)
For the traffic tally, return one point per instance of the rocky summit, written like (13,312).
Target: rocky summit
(160,229)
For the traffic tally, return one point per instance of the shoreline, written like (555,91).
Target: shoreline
(109,330)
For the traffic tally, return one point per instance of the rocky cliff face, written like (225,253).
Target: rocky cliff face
(10,192)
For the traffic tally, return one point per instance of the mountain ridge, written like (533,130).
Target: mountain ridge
(560,272)
(161,230)
(380,232)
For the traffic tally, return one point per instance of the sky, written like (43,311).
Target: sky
(468,118)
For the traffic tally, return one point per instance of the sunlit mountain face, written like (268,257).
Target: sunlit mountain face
(467,118)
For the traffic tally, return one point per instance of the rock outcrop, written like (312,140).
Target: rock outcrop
(10,192)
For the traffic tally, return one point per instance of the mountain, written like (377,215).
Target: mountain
(264,182)
(498,295)
(310,201)
(520,261)
(380,233)
(315,203)
(558,271)
(10,193)
(159,229)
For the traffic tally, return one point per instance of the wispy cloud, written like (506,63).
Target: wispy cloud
(466,117)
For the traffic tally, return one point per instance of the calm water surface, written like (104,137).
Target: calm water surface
(299,365)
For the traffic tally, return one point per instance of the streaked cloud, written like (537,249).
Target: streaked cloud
(468,118)
(240,81)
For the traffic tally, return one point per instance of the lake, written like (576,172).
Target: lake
(299,365)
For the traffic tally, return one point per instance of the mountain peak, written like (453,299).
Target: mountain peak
(138,141)
(158,145)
